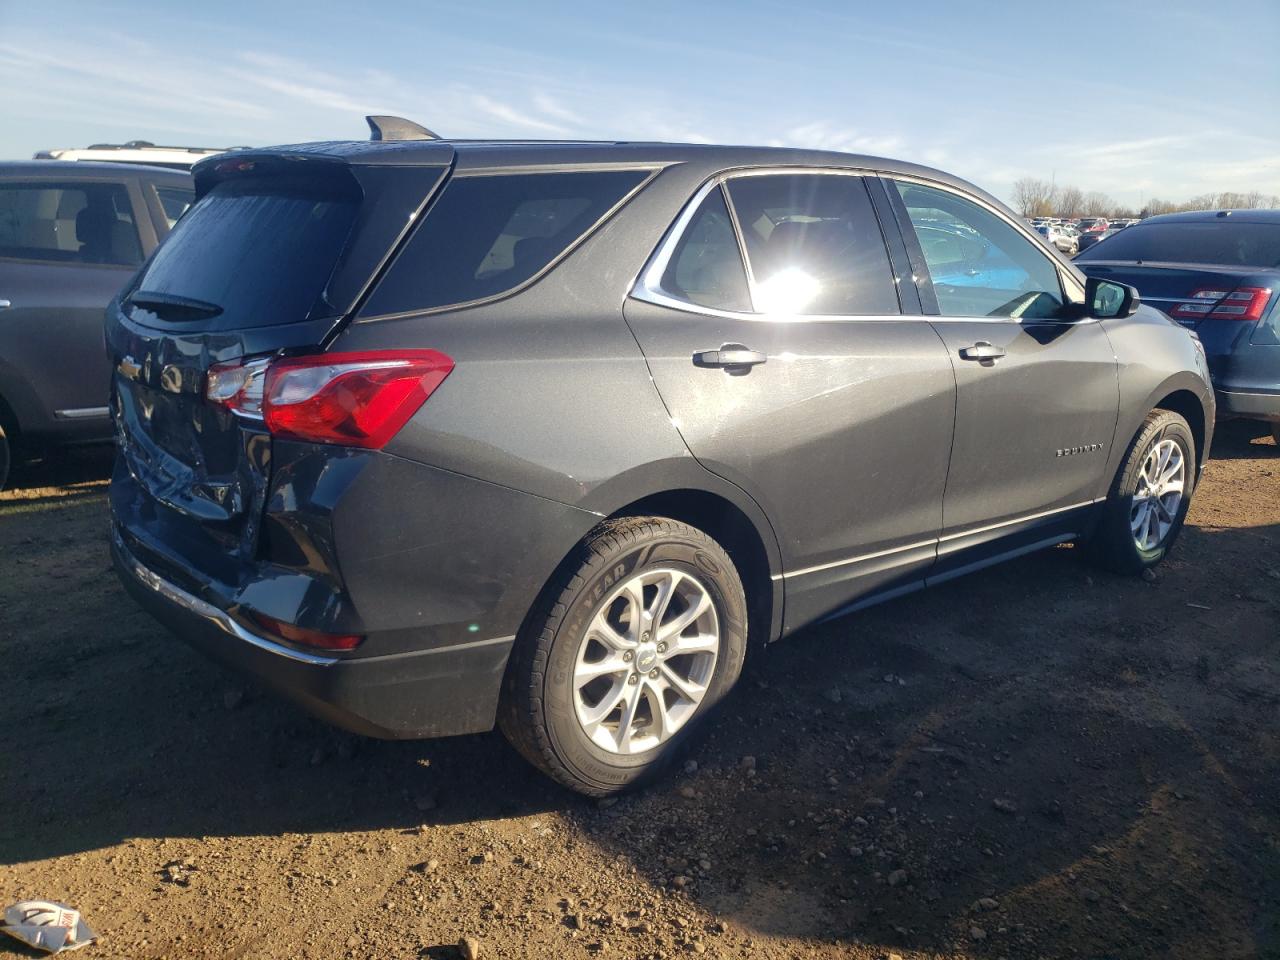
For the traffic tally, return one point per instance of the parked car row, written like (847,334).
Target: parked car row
(435,435)
(1063,236)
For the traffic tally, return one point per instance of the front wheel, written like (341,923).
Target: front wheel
(1150,496)
(642,634)
(1275,433)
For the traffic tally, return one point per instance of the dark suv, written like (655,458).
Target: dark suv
(435,434)
(71,235)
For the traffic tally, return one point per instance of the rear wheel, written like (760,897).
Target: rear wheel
(642,634)
(1275,433)
(1150,496)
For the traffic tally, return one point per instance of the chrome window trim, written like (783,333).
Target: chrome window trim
(648,286)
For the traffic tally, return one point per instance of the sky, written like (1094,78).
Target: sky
(1133,98)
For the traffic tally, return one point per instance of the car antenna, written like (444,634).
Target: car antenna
(397,128)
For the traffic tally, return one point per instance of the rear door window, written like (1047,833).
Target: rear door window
(814,245)
(487,235)
(979,264)
(256,253)
(68,223)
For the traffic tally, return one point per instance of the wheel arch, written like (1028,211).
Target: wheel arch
(730,526)
(1189,406)
(682,489)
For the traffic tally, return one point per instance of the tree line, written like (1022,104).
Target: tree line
(1043,198)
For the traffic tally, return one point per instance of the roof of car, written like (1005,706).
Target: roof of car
(1208,216)
(70,170)
(471,155)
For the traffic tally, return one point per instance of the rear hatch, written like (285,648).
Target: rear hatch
(278,250)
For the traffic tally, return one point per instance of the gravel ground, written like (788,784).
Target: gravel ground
(1039,760)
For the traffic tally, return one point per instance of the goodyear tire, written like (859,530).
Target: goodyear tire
(633,645)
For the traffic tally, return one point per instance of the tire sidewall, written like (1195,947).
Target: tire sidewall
(583,757)
(1172,428)
(6,454)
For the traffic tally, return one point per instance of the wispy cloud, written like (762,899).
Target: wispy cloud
(508,113)
(937,90)
(556,110)
(818,135)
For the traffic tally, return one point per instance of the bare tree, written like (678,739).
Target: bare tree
(1040,198)
(1069,201)
(1096,204)
(1032,197)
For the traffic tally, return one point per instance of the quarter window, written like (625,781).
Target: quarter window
(706,268)
(979,264)
(68,223)
(487,235)
(814,245)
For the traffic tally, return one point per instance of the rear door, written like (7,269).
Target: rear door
(799,378)
(1037,393)
(66,248)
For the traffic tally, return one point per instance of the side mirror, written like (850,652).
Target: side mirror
(1105,299)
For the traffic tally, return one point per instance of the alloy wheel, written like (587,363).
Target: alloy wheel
(646,660)
(1158,497)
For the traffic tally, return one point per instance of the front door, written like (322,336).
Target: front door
(800,380)
(1037,389)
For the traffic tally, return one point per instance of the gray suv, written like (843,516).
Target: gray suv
(71,235)
(435,435)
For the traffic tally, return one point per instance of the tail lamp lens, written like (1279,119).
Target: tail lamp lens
(352,399)
(1242,303)
(237,386)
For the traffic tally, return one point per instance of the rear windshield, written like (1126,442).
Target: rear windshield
(487,235)
(1222,243)
(260,252)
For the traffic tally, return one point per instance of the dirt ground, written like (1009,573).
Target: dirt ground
(1039,760)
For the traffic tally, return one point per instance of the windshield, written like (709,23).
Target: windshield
(1223,243)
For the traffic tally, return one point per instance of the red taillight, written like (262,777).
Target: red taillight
(354,399)
(307,638)
(1242,303)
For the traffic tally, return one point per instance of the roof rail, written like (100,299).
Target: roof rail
(397,128)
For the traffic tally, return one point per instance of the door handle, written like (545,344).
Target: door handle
(981,351)
(5,304)
(729,355)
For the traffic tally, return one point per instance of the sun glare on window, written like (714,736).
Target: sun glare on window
(790,290)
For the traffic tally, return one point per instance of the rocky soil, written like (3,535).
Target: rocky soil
(1039,761)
